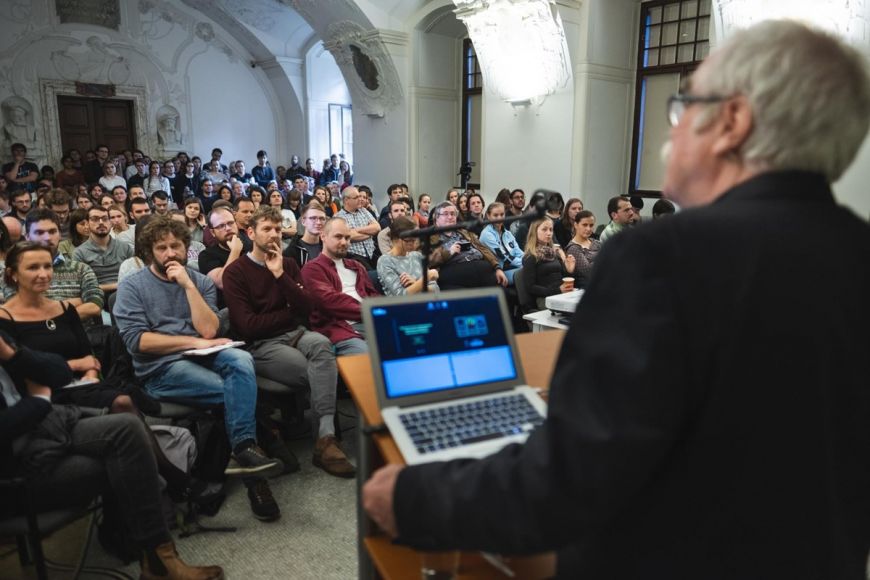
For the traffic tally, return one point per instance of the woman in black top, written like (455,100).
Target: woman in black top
(544,265)
(52,326)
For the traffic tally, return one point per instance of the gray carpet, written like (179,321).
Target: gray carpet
(314,539)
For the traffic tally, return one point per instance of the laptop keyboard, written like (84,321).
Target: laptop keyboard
(466,423)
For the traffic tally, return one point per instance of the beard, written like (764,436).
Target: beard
(161,266)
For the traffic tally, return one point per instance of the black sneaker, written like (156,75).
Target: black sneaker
(253,461)
(263,505)
(277,449)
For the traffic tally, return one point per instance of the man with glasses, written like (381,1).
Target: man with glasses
(101,252)
(363,227)
(307,245)
(708,412)
(518,202)
(229,247)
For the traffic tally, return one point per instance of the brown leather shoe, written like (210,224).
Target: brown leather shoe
(163,563)
(329,457)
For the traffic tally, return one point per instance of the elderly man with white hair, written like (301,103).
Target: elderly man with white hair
(708,415)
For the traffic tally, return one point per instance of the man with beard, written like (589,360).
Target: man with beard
(166,309)
(268,308)
(72,281)
(337,285)
(101,252)
(229,247)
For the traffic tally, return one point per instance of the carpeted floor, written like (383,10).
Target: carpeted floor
(314,539)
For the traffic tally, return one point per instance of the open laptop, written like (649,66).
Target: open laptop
(447,374)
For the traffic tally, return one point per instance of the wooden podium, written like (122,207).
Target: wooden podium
(376,552)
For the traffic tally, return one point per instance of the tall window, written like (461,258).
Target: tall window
(472,101)
(341,131)
(674,39)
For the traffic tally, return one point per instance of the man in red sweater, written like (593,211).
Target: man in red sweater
(337,286)
(268,308)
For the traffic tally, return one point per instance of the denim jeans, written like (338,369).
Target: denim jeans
(226,378)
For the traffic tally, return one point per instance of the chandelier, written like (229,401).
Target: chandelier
(849,19)
(520,45)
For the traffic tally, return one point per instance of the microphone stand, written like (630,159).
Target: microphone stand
(425,234)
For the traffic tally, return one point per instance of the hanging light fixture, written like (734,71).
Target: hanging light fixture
(849,19)
(520,45)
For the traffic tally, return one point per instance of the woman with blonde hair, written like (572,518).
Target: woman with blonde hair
(545,264)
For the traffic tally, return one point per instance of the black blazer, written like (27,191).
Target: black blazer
(710,412)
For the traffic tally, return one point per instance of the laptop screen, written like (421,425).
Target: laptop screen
(442,344)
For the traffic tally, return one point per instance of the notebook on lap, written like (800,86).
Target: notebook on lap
(447,374)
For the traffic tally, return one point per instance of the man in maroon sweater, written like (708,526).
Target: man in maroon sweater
(338,286)
(268,308)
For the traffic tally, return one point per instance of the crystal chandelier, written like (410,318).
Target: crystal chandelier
(849,19)
(520,45)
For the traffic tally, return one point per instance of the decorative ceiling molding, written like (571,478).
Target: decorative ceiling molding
(367,65)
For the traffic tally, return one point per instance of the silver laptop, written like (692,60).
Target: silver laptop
(447,374)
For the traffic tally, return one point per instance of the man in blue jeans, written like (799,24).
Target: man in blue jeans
(166,309)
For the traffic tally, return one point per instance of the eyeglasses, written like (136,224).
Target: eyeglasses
(223,226)
(677,105)
(98,219)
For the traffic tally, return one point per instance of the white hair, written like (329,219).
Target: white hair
(809,94)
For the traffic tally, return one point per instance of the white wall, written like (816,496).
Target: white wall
(435,114)
(170,55)
(324,84)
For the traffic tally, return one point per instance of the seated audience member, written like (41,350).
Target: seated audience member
(520,228)
(310,171)
(101,252)
(300,184)
(243,209)
(20,173)
(501,242)
(160,202)
(110,178)
(583,247)
(155,180)
(225,192)
(462,208)
(41,323)
(268,308)
(662,208)
(214,172)
(109,455)
(207,194)
(332,171)
(394,192)
(21,202)
(262,172)
(169,172)
(294,204)
(462,261)
(369,204)
(138,207)
(363,227)
(139,175)
(166,309)
(83,200)
(194,218)
(475,212)
(452,196)
(563,229)
(346,173)
(120,195)
(307,245)
(337,285)
(96,192)
(256,194)
(71,280)
(517,202)
(79,232)
(230,245)
(321,195)
(207,237)
(106,201)
(621,216)
(240,173)
(14,228)
(186,184)
(288,218)
(636,205)
(401,268)
(544,265)
(119,219)
(60,202)
(68,178)
(385,240)
(421,216)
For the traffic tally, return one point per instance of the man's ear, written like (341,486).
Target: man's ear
(734,124)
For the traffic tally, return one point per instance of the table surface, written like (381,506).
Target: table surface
(538,353)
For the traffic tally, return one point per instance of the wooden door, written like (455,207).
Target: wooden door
(87,122)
